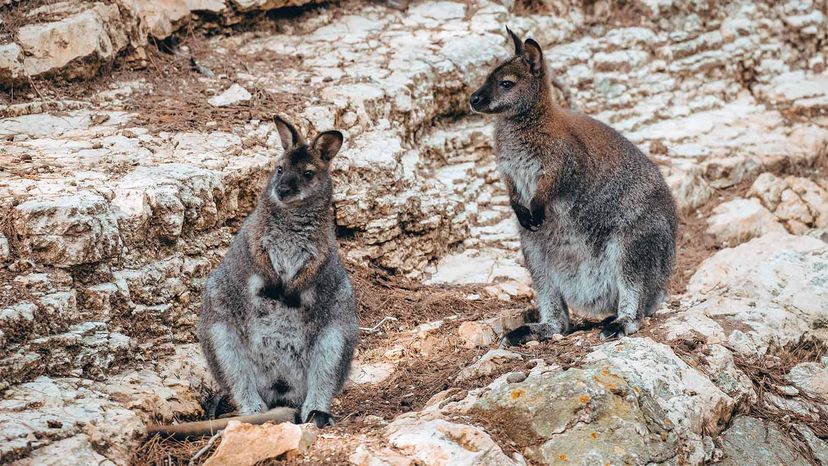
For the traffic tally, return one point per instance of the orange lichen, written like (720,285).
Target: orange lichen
(517,393)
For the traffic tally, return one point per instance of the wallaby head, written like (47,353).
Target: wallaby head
(302,174)
(515,85)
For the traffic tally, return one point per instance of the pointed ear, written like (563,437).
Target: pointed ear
(516,40)
(328,144)
(287,133)
(533,56)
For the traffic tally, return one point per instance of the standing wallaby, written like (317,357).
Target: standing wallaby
(278,325)
(598,220)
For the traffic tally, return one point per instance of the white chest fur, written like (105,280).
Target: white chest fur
(287,258)
(523,170)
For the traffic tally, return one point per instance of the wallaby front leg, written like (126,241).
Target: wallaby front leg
(323,376)
(522,213)
(237,368)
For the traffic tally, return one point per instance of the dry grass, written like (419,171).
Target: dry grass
(768,373)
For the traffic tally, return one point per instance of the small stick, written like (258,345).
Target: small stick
(375,328)
(206,447)
(203,428)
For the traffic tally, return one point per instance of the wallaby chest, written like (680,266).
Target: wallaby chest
(287,254)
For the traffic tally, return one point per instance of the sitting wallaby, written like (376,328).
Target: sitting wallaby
(278,325)
(598,222)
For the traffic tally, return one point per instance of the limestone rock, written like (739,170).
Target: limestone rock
(740,220)
(161,17)
(245,444)
(34,414)
(811,378)
(93,32)
(78,448)
(370,373)
(437,442)
(233,95)
(753,441)
(770,290)
(476,334)
(67,230)
(488,364)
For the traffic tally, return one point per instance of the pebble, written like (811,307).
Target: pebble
(516,377)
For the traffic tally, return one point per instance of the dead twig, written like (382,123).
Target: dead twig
(376,328)
(207,447)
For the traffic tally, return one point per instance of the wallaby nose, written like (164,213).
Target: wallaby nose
(475,99)
(284,191)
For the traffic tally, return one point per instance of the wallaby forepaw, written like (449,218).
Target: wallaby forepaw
(518,336)
(617,329)
(320,418)
(523,215)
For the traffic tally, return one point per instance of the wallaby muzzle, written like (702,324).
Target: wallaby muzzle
(288,187)
(479,101)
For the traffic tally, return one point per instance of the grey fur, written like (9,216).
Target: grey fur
(273,333)
(600,239)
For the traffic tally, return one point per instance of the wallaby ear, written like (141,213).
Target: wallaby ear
(287,133)
(516,40)
(533,56)
(328,144)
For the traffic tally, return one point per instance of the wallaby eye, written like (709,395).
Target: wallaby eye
(507,84)
(308,174)
(279,170)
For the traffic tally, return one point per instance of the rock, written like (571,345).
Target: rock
(370,373)
(5,250)
(162,17)
(516,377)
(233,95)
(78,448)
(484,266)
(246,444)
(476,334)
(689,188)
(436,442)
(248,5)
(91,35)
(799,202)
(577,416)
(811,378)
(752,441)
(37,412)
(740,220)
(366,456)
(771,290)
(67,230)
(491,362)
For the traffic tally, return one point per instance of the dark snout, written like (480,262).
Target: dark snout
(479,101)
(287,188)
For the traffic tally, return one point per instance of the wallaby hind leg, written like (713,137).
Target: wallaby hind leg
(627,319)
(212,403)
(554,315)
(326,361)
(235,365)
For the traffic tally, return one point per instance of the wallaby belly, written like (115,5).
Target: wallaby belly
(279,349)
(588,279)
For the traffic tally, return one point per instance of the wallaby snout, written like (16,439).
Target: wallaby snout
(479,101)
(287,187)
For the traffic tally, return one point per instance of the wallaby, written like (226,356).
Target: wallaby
(598,222)
(278,324)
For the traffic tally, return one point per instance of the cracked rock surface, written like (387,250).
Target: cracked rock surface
(112,214)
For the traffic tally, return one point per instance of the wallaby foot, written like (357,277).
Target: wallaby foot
(530,332)
(618,328)
(320,418)
(211,405)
